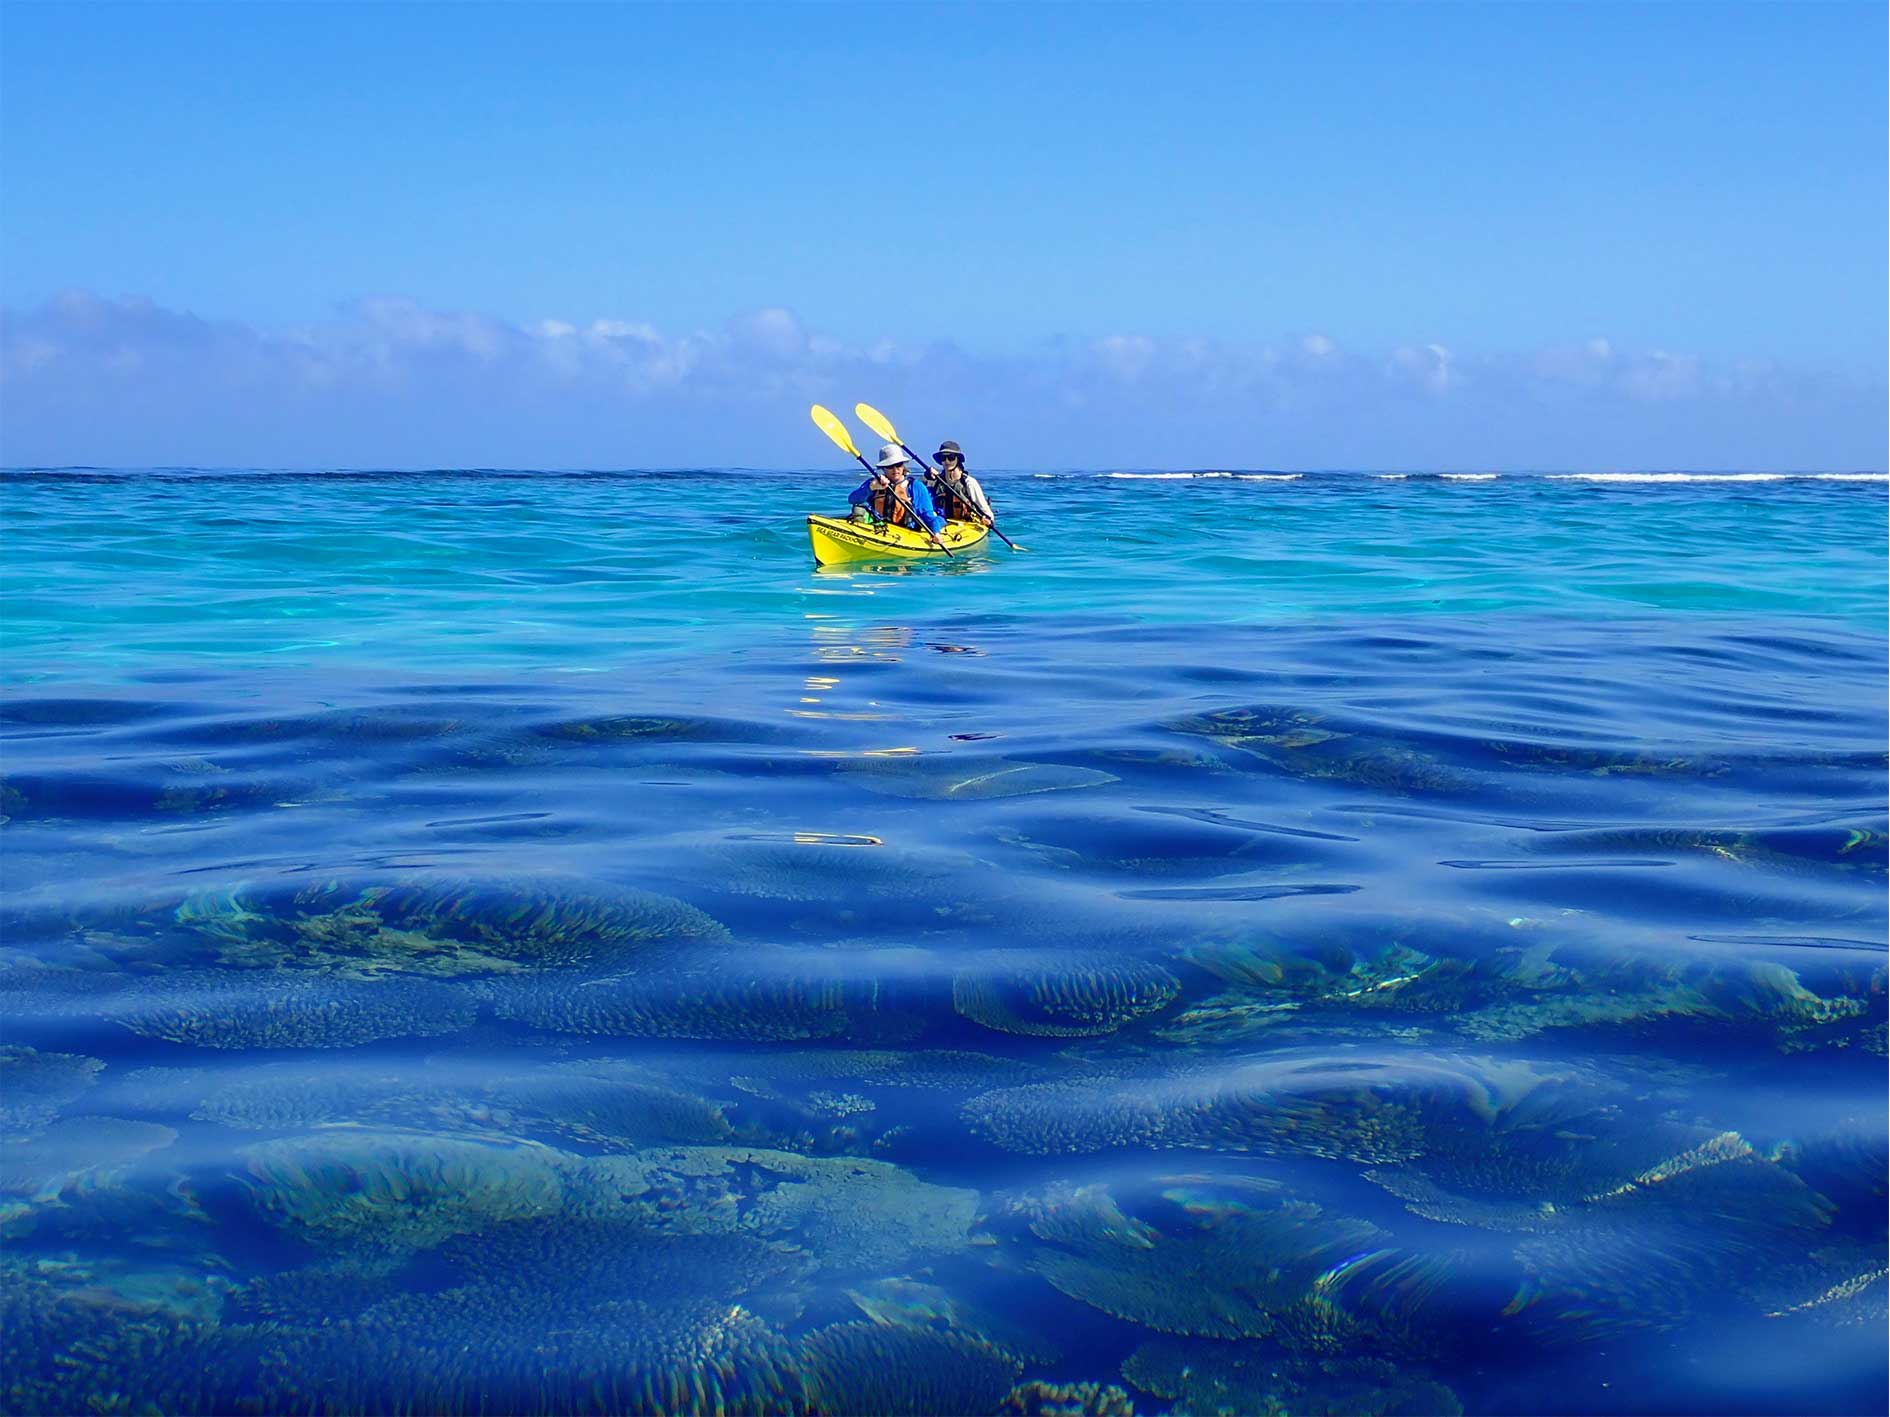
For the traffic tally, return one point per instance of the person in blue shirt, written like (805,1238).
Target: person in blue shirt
(883,493)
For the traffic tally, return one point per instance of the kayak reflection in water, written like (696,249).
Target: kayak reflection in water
(955,491)
(888,493)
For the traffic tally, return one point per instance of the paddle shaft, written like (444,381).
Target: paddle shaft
(872,472)
(926,463)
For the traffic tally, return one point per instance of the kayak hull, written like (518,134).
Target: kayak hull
(837,541)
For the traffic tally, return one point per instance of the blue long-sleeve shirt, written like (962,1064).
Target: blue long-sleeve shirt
(914,492)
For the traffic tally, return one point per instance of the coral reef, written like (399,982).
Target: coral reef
(693,1003)
(1713,1227)
(1317,747)
(399,1191)
(361,930)
(853,1213)
(65,1349)
(78,1152)
(282,1010)
(1041,1399)
(1066,995)
(1245,1265)
(1370,1108)
(602,1104)
(892,1370)
(35,1085)
(1252,1380)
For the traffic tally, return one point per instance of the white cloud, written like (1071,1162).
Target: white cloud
(1659,376)
(775,332)
(1127,357)
(1587,364)
(1430,367)
(405,322)
(624,329)
(86,379)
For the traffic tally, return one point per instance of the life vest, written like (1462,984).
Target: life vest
(888,506)
(952,504)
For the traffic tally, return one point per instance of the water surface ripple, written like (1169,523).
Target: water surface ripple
(499,941)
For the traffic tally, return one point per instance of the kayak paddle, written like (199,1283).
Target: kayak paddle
(882,425)
(836,430)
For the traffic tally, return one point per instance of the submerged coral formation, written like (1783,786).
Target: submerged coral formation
(1656,1253)
(1366,1108)
(34,1085)
(1860,1299)
(1041,1399)
(1318,747)
(894,1370)
(597,1103)
(852,1212)
(556,1313)
(1067,995)
(1245,1265)
(694,1003)
(1750,998)
(657,1170)
(63,1348)
(601,1104)
(1250,1380)
(281,1010)
(399,1191)
(288,1097)
(78,1152)
(661,1265)
(440,927)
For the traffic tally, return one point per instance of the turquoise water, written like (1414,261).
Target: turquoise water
(531,941)
(583,573)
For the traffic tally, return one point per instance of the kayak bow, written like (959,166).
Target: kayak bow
(837,540)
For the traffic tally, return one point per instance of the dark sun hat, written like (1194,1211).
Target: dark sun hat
(948,446)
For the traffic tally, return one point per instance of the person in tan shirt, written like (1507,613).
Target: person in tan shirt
(955,492)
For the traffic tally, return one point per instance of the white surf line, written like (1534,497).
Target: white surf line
(1198,476)
(1717,476)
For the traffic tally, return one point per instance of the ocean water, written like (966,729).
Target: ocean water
(509,941)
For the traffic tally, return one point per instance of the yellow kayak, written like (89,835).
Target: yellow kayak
(837,539)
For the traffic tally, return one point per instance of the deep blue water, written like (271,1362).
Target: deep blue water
(526,941)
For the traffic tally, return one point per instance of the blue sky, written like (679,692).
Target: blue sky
(1302,235)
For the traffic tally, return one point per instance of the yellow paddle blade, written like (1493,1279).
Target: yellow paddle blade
(875,420)
(833,428)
